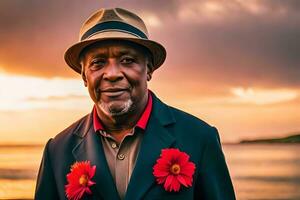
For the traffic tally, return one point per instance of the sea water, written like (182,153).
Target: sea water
(258,171)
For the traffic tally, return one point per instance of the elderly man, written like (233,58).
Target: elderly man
(131,146)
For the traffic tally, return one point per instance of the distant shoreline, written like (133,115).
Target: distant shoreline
(292,139)
(16,199)
(21,146)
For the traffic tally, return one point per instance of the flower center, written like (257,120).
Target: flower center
(175,169)
(83,180)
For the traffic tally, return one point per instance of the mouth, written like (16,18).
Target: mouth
(113,92)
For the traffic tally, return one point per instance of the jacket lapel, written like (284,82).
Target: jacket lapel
(155,139)
(90,148)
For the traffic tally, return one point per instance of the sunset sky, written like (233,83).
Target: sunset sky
(233,63)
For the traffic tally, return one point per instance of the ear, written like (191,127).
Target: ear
(149,71)
(83,75)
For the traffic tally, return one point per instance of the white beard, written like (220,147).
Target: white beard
(108,111)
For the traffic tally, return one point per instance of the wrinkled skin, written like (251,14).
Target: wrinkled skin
(116,75)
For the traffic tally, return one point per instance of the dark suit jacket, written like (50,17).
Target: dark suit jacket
(167,128)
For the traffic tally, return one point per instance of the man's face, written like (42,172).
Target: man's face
(115,73)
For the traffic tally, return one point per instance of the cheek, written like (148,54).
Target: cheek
(138,79)
(93,82)
(139,85)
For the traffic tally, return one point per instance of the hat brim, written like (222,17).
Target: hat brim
(72,54)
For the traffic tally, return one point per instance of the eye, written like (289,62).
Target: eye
(127,60)
(97,63)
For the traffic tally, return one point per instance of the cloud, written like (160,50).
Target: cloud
(56,98)
(263,96)
(25,92)
(255,49)
(244,43)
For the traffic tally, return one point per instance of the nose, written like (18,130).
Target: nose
(112,71)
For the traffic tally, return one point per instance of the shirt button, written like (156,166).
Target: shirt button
(113,145)
(121,156)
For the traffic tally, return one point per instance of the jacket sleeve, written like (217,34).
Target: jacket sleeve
(46,187)
(213,181)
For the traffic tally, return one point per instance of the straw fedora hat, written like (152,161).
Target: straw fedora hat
(117,23)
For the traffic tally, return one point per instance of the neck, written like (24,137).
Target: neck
(123,123)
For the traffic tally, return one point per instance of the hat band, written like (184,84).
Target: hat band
(113,25)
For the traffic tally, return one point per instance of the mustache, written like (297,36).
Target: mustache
(110,88)
(113,89)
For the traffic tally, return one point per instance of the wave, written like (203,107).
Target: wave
(284,179)
(15,174)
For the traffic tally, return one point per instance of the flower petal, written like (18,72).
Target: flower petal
(175,185)
(168,182)
(182,180)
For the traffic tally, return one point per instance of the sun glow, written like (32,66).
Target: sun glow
(262,96)
(26,92)
(152,20)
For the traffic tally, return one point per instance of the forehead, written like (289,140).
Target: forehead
(113,48)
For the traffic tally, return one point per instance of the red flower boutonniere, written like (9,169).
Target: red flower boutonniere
(174,169)
(79,180)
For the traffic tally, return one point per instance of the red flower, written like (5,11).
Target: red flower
(79,180)
(173,169)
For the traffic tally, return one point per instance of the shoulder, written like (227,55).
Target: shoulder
(186,119)
(191,128)
(192,134)
(183,123)
(165,112)
(70,134)
(183,117)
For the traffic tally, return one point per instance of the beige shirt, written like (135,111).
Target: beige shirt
(121,158)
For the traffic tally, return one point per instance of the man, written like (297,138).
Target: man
(132,145)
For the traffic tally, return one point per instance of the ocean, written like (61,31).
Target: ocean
(258,171)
